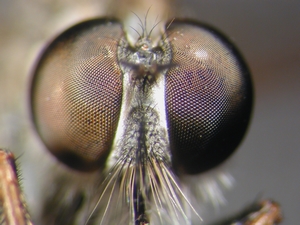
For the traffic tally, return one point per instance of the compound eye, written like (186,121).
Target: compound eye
(208,95)
(76,94)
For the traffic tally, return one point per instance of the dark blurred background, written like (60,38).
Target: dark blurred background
(267,34)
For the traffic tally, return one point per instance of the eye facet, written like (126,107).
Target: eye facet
(208,97)
(76,93)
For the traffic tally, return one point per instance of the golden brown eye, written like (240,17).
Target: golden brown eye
(76,93)
(208,97)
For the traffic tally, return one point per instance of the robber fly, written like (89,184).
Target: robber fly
(130,111)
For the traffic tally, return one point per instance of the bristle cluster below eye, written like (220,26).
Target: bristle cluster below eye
(159,187)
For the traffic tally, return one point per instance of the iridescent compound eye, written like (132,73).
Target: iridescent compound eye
(78,94)
(208,97)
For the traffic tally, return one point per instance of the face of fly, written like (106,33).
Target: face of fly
(131,111)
